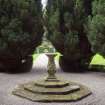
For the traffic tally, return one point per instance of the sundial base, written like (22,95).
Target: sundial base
(52,91)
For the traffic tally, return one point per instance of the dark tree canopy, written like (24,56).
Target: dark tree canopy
(21,29)
(20,26)
(66,21)
(68,16)
(96,27)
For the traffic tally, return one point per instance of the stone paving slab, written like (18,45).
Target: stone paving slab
(95,81)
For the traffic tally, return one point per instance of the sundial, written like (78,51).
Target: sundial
(51,89)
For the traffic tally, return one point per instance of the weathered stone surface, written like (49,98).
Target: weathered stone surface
(67,93)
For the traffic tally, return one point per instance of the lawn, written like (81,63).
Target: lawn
(98,60)
(35,56)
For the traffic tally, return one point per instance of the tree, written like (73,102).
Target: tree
(21,32)
(66,30)
(96,27)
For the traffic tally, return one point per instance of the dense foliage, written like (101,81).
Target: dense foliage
(96,27)
(66,20)
(21,30)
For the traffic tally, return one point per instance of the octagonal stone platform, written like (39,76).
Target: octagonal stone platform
(55,91)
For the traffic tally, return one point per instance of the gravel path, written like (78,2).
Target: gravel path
(95,81)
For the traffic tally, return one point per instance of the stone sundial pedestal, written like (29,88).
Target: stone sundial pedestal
(51,89)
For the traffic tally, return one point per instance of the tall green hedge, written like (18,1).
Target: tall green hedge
(96,27)
(66,22)
(21,31)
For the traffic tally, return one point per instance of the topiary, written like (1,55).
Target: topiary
(66,21)
(21,32)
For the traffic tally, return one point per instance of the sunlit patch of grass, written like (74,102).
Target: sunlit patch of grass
(98,60)
(35,56)
(58,56)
